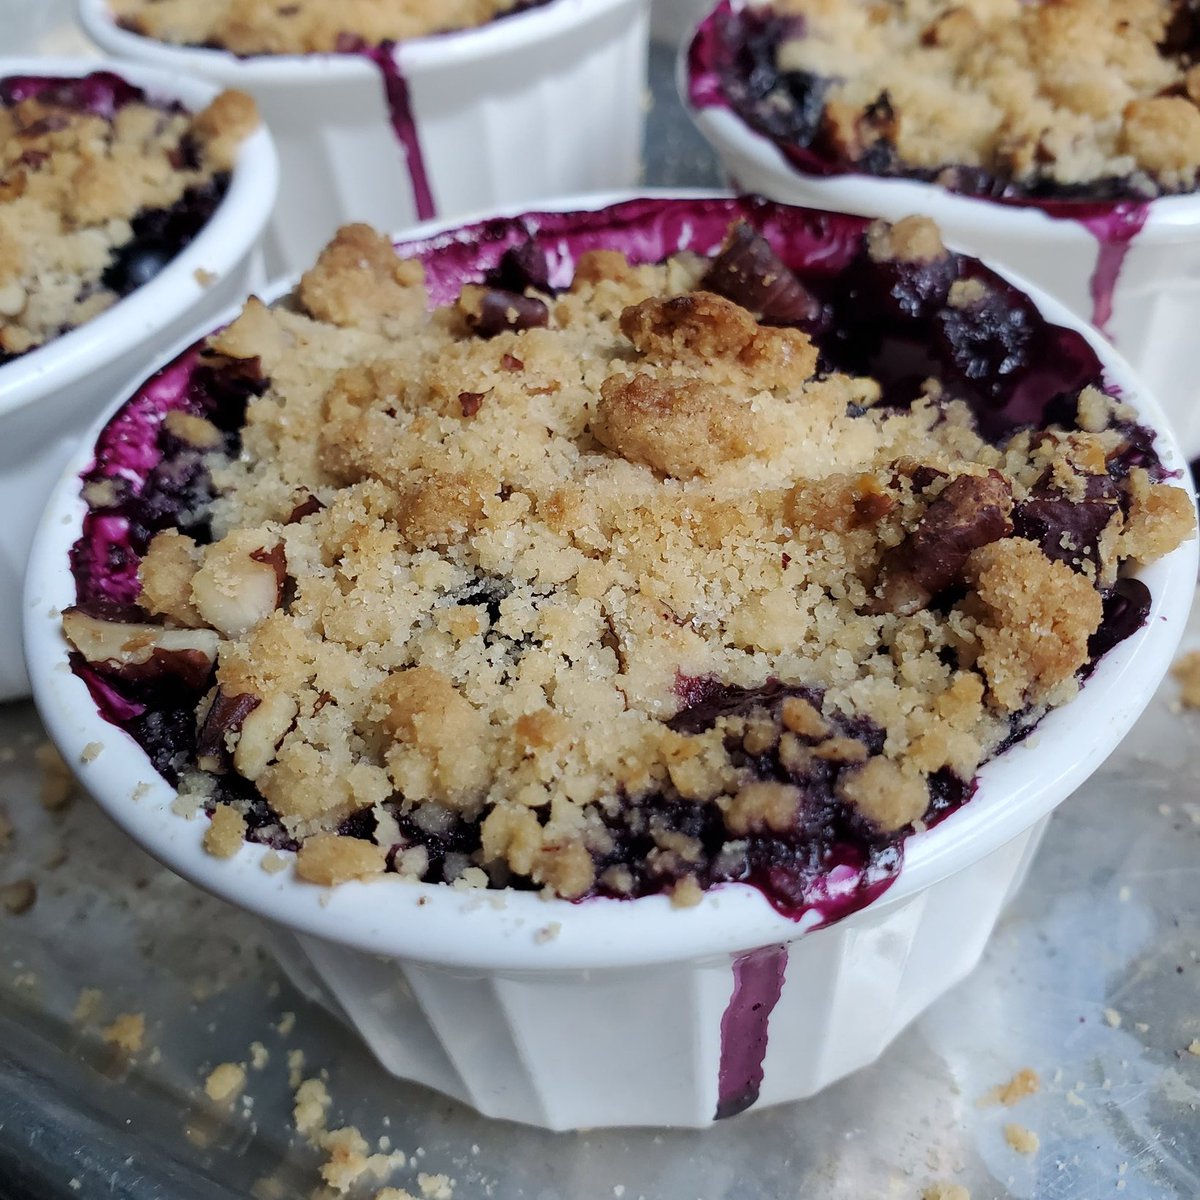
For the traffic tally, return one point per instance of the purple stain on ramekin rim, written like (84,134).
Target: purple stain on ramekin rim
(825,880)
(1113,218)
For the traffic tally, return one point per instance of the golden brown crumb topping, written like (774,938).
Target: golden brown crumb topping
(1064,91)
(72,186)
(464,581)
(301,27)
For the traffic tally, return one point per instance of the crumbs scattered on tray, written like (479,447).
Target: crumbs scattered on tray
(1024,1083)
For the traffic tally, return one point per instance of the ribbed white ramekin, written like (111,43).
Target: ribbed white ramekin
(548,101)
(611,1012)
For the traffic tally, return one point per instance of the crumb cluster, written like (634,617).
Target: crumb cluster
(80,187)
(603,589)
(1054,94)
(303,27)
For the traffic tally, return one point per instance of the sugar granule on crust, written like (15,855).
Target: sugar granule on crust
(671,598)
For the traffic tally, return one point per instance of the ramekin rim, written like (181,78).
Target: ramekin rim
(432,52)
(226,238)
(521,930)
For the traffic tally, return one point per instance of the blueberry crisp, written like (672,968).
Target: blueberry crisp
(304,26)
(1060,99)
(100,187)
(553,556)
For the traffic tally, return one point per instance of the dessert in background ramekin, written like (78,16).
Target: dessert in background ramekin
(114,264)
(1101,210)
(539,976)
(540,100)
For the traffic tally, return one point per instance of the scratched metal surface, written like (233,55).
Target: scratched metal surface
(1093,979)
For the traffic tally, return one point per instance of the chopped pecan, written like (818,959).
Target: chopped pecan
(225,716)
(971,511)
(750,273)
(240,584)
(134,651)
(471,402)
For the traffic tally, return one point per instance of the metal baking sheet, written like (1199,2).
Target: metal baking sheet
(1092,980)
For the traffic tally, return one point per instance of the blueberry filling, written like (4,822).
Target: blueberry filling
(888,318)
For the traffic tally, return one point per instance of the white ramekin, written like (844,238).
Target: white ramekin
(1156,297)
(610,1012)
(49,396)
(546,102)
(673,20)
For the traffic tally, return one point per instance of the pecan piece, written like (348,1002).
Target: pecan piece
(750,273)
(225,716)
(971,511)
(241,582)
(133,651)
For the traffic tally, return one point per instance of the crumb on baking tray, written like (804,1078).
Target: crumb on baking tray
(1021,1139)
(225,1082)
(87,1007)
(945,1191)
(18,897)
(58,784)
(1024,1083)
(127,1032)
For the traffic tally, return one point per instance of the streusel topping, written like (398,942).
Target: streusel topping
(99,187)
(1046,94)
(622,586)
(305,26)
